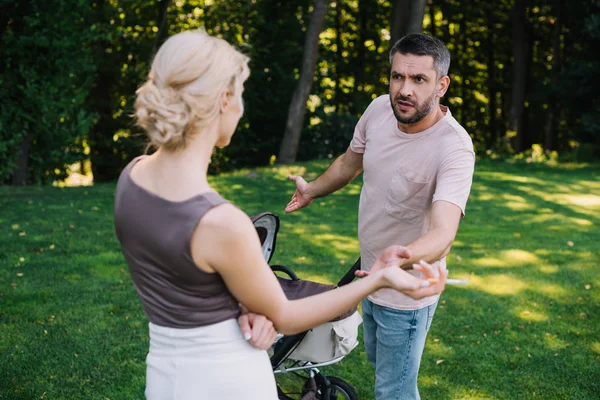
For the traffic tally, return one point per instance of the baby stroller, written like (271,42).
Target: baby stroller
(304,353)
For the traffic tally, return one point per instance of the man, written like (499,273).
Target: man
(418,165)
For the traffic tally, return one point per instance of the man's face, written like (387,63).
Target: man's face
(414,90)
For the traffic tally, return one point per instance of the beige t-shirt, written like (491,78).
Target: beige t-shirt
(403,175)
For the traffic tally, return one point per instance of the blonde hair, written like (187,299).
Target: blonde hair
(189,75)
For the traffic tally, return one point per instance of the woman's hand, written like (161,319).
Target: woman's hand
(257,330)
(433,282)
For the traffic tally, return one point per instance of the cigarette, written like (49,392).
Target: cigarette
(449,281)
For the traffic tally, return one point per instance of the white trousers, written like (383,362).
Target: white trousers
(208,363)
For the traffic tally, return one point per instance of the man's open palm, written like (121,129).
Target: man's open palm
(301,198)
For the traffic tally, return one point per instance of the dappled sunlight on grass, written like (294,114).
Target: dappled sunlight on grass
(518,205)
(338,242)
(507,258)
(583,200)
(486,197)
(544,217)
(498,284)
(582,222)
(515,200)
(548,269)
(532,316)
(550,289)
(595,347)
(488,262)
(518,257)
(286,170)
(303,260)
(552,342)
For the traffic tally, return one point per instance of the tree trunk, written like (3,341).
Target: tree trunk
(407,17)
(464,109)
(362,37)
(491,70)
(355,103)
(520,50)
(163,29)
(338,55)
(22,162)
(551,131)
(100,136)
(503,106)
(529,136)
(297,109)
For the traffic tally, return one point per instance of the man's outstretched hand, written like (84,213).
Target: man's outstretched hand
(301,197)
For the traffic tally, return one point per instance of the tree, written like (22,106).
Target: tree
(122,52)
(163,29)
(519,81)
(407,17)
(297,109)
(551,130)
(46,66)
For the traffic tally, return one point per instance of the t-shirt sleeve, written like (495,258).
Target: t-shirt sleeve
(455,178)
(359,139)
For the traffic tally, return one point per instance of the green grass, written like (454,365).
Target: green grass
(526,326)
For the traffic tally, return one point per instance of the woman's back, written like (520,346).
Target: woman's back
(155,236)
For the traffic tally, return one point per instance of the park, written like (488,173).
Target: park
(522,84)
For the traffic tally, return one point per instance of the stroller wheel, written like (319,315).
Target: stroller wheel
(339,389)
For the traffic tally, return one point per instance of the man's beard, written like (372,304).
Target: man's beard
(421,110)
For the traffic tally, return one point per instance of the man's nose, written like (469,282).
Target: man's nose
(406,89)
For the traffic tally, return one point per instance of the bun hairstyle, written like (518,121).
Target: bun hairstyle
(182,95)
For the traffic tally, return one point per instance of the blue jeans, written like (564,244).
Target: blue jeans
(394,341)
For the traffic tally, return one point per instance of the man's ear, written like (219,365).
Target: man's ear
(444,82)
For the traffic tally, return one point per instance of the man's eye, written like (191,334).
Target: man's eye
(420,80)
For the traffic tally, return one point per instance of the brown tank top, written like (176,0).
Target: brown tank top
(155,236)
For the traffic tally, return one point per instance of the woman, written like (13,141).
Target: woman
(192,255)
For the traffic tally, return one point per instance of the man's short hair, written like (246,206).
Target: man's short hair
(421,44)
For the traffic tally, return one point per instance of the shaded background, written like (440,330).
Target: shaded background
(524,76)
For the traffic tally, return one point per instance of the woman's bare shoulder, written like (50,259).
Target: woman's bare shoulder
(226,219)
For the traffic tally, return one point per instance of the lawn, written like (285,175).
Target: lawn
(526,325)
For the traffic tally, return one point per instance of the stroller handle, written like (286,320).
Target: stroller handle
(349,277)
(286,270)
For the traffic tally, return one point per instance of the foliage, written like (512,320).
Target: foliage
(580,86)
(79,63)
(272,37)
(127,31)
(46,66)
(537,154)
(72,326)
(328,137)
